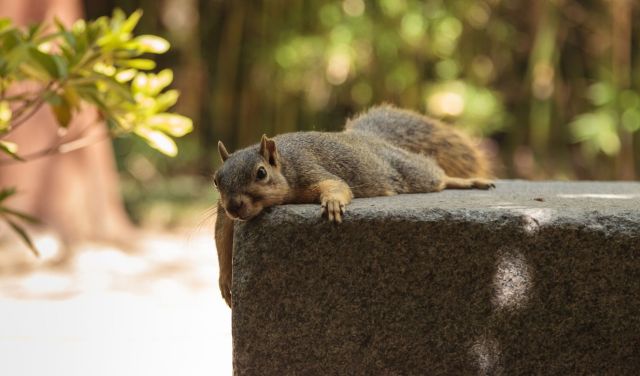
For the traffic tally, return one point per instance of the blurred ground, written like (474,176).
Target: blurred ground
(154,310)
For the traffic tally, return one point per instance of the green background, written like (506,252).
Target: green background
(551,86)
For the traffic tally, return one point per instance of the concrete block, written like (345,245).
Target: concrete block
(529,278)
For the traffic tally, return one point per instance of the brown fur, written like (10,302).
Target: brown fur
(383,152)
(454,151)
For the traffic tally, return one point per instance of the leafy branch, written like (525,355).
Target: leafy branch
(99,64)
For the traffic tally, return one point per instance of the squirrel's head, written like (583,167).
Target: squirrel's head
(250,179)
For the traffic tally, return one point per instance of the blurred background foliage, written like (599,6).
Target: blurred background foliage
(553,86)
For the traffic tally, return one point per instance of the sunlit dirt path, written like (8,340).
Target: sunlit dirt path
(153,311)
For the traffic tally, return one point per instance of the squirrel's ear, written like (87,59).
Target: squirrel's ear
(224,154)
(268,150)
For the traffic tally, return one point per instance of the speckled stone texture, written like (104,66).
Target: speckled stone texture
(529,278)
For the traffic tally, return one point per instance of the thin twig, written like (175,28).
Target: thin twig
(37,97)
(26,117)
(24,97)
(35,105)
(64,148)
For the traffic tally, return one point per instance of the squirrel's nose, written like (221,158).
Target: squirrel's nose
(235,205)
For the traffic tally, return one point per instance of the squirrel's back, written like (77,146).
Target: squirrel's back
(368,164)
(454,151)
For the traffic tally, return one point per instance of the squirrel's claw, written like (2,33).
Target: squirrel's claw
(483,184)
(334,210)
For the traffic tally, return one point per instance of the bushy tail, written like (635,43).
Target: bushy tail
(453,150)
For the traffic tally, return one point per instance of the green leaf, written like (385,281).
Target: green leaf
(70,39)
(12,38)
(125,75)
(601,93)
(83,36)
(33,31)
(631,120)
(152,44)
(23,235)
(34,72)
(166,100)
(11,149)
(129,51)
(590,125)
(139,84)
(62,111)
(172,124)
(80,26)
(54,65)
(14,58)
(95,29)
(91,94)
(59,24)
(159,81)
(71,96)
(61,66)
(7,192)
(113,41)
(151,84)
(122,90)
(47,40)
(112,123)
(598,130)
(132,21)
(609,142)
(5,115)
(158,141)
(69,54)
(142,64)
(5,23)
(104,69)
(118,17)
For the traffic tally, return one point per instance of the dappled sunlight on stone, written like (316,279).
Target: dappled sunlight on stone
(512,281)
(534,218)
(508,206)
(601,195)
(486,352)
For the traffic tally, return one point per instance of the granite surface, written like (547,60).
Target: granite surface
(529,278)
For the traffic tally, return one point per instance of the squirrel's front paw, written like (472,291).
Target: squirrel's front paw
(334,209)
(483,183)
(225,289)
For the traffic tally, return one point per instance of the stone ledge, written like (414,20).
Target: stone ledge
(528,278)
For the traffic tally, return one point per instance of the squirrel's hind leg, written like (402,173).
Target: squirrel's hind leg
(449,182)
(224,246)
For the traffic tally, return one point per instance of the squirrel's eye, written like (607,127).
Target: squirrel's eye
(261,173)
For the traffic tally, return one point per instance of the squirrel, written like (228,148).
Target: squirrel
(382,152)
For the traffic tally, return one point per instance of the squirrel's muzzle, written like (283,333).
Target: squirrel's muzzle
(239,207)
(235,205)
